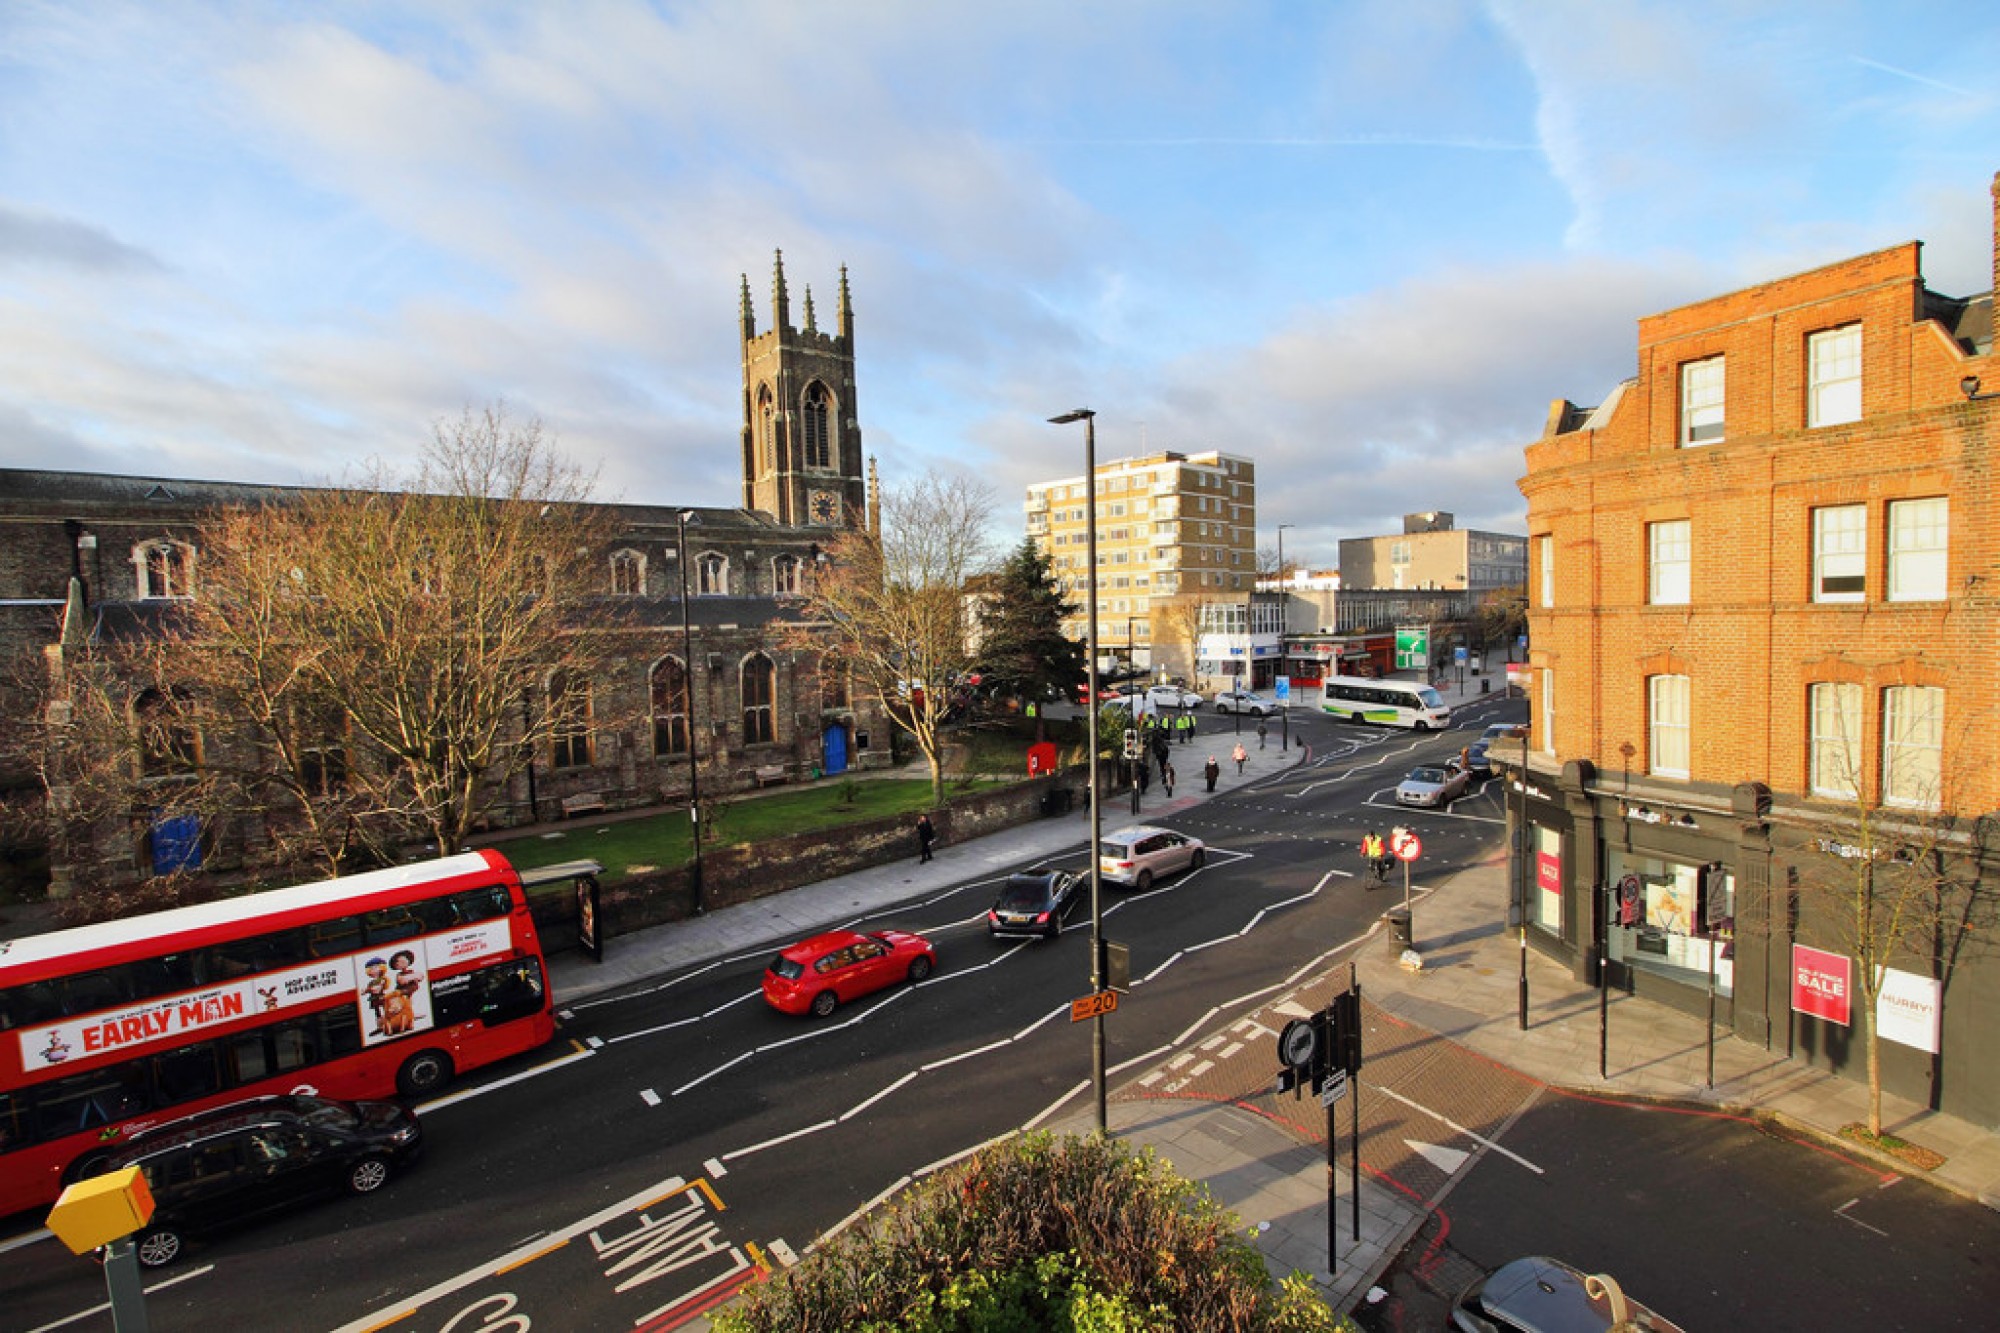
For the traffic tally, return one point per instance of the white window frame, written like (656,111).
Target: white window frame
(1704,387)
(1668,726)
(787,575)
(1669,562)
(1548,545)
(1919,548)
(1833,722)
(1912,746)
(1548,717)
(1840,552)
(1833,376)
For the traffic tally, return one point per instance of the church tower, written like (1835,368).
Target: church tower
(801,431)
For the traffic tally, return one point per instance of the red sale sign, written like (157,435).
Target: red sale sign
(1822,984)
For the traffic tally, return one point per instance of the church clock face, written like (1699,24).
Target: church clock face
(823,507)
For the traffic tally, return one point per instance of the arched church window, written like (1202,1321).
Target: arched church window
(818,441)
(628,574)
(670,707)
(759,686)
(713,575)
(786,579)
(767,430)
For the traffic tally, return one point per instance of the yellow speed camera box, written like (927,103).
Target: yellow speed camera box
(98,1211)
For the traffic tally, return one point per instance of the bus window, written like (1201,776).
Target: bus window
(187,1073)
(393,924)
(90,991)
(27,1006)
(480,904)
(513,990)
(247,1054)
(342,935)
(11,1133)
(291,1048)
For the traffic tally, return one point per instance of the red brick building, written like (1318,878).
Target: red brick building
(1762,580)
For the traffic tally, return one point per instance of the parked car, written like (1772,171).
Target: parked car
(818,975)
(1141,853)
(1236,699)
(1033,903)
(234,1164)
(1542,1295)
(1433,785)
(1174,696)
(1504,731)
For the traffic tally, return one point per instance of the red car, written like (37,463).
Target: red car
(826,971)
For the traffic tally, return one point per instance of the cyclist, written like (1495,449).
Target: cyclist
(1376,853)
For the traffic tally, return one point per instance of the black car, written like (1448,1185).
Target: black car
(1033,903)
(1477,760)
(239,1162)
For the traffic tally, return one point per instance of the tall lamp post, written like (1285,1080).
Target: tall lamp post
(682,521)
(1284,605)
(1089,420)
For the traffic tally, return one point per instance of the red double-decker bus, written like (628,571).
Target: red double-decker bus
(367,986)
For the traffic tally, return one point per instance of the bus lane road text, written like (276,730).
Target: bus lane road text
(654,1261)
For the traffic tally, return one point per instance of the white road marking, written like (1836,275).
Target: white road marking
(714,1167)
(468,1094)
(1447,1120)
(648,1096)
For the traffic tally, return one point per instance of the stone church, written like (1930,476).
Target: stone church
(129,546)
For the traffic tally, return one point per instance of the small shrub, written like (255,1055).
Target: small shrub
(1073,1233)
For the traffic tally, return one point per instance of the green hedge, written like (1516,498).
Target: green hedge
(1038,1233)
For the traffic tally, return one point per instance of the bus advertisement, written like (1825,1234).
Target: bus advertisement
(369,986)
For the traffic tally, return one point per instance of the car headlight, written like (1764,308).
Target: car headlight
(404,1135)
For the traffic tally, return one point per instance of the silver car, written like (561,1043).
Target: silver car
(1239,700)
(1138,854)
(1433,785)
(1173,696)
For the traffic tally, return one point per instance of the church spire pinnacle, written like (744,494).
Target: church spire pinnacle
(781,302)
(846,316)
(811,326)
(745,314)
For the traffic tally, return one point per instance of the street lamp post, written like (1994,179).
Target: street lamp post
(1284,605)
(1089,420)
(683,519)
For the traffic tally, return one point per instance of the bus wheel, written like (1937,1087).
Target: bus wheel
(1356,719)
(84,1167)
(423,1074)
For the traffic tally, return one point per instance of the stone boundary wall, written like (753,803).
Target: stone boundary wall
(745,872)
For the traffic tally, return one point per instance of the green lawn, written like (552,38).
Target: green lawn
(637,846)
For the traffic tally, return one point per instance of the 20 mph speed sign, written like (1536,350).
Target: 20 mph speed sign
(1405,845)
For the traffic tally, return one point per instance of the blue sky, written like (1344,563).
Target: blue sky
(1364,244)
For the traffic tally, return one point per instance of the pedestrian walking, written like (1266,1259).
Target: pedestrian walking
(1262,732)
(1239,754)
(1167,778)
(1211,771)
(926,835)
(1145,776)
(1376,853)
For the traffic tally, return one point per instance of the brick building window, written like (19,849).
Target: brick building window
(1667,726)
(1840,553)
(1701,401)
(1547,721)
(759,687)
(1917,533)
(1833,376)
(1912,745)
(1545,548)
(169,744)
(1669,562)
(1835,760)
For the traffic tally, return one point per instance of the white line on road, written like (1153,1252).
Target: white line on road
(1447,1120)
(648,1096)
(484,1088)
(106,1306)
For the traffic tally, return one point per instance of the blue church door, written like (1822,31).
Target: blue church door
(835,746)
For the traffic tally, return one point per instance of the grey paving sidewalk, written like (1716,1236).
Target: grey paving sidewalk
(1466,992)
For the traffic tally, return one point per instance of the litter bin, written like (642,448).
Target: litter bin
(1398,921)
(1485,687)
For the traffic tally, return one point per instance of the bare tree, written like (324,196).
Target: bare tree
(1888,884)
(893,600)
(1182,616)
(364,666)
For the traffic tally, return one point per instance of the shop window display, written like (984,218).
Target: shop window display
(1672,918)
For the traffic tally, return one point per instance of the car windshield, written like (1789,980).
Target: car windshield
(1023,893)
(1431,698)
(1117,851)
(787,968)
(1427,775)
